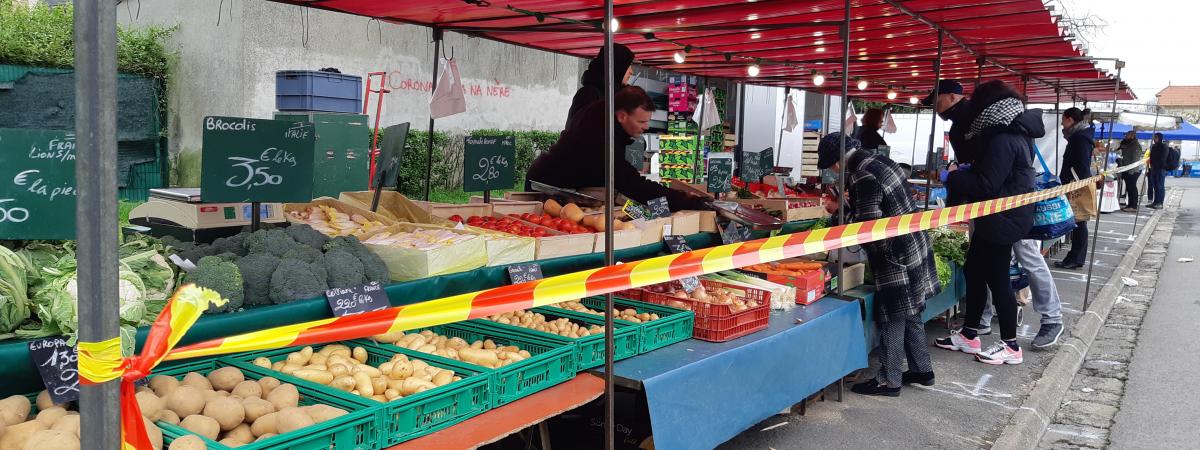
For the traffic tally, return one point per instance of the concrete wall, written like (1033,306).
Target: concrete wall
(230,69)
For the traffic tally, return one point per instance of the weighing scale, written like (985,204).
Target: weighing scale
(179,212)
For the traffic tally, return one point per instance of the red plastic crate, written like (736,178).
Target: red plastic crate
(718,323)
(733,333)
(810,286)
(709,310)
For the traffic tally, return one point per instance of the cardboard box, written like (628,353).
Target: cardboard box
(445,210)
(685,222)
(810,287)
(786,207)
(525,196)
(622,239)
(852,277)
(652,230)
(505,206)
(392,205)
(558,243)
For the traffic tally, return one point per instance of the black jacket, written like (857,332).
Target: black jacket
(1131,152)
(1003,168)
(960,115)
(591,87)
(870,139)
(577,161)
(1077,156)
(1158,156)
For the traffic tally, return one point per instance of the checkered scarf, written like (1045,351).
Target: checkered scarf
(1000,113)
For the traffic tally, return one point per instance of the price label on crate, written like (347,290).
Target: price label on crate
(58,364)
(659,208)
(521,273)
(678,244)
(720,175)
(635,211)
(357,300)
(489,162)
(256,160)
(37,184)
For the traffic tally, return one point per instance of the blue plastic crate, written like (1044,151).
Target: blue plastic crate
(306,90)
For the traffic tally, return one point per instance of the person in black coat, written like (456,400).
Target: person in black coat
(1158,171)
(1002,134)
(868,135)
(577,159)
(1077,165)
(591,87)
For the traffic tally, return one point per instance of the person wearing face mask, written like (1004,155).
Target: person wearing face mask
(577,159)
(591,87)
(1077,165)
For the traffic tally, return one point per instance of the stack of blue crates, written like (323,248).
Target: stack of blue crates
(310,90)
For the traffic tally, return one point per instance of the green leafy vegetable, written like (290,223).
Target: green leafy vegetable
(944,272)
(950,244)
(14,293)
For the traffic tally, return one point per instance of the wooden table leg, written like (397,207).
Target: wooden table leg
(544,432)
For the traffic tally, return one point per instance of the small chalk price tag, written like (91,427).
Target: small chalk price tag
(357,300)
(58,364)
(677,244)
(659,207)
(521,273)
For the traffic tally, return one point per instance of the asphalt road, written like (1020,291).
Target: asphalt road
(1159,409)
(971,402)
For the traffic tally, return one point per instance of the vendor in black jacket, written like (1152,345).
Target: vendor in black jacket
(1077,165)
(577,159)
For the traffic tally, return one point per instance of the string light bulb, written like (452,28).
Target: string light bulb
(862,84)
(679,57)
(818,79)
(752,70)
(913,100)
(615,25)
(891,94)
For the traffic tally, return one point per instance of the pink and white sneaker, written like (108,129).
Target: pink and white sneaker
(1001,353)
(958,342)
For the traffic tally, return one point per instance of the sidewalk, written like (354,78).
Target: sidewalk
(1159,407)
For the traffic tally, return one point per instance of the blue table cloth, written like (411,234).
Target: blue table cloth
(700,394)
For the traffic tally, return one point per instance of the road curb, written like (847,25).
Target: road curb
(1027,425)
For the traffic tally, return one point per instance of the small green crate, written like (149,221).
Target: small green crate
(357,430)
(552,362)
(409,417)
(589,351)
(673,324)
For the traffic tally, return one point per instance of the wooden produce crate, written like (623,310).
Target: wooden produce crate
(558,244)
(393,205)
(525,196)
(810,286)
(445,210)
(405,264)
(685,223)
(343,207)
(652,230)
(814,208)
(505,206)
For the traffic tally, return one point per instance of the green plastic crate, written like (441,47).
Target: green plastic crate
(552,362)
(357,430)
(589,351)
(142,178)
(673,324)
(409,417)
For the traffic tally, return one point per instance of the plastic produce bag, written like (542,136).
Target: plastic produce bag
(711,117)
(448,98)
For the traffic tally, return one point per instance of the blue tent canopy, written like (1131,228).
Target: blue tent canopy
(1186,132)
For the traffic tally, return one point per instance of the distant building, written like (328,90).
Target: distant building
(1181,101)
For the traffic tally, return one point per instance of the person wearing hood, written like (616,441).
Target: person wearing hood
(869,135)
(577,159)
(1158,171)
(591,87)
(1002,131)
(1077,165)
(1131,152)
(902,266)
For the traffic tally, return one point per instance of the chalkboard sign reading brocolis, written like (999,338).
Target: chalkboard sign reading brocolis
(256,160)
(488,163)
(37,184)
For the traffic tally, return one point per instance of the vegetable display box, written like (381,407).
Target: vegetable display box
(673,324)
(790,209)
(720,322)
(403,418)
(589,350)
(357,430)
(808,277)
(454,251)
(551,362)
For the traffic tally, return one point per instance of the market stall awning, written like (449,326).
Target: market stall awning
(893,43)
(1185,132)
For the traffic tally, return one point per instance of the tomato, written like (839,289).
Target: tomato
(456,218)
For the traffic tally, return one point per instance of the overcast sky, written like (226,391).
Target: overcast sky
(1157,38)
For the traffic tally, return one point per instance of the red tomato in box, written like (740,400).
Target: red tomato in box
(456,218)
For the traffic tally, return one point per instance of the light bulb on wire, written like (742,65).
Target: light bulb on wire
(862,84)
(615,25)
(818,79)
(913,100)
(891,94)
(679,57)
(752,70)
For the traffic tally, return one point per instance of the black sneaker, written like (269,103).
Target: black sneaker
(921,378)
(872,387)
(1048,335)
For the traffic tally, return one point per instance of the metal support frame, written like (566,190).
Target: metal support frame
(589,28)
(845,34)
(912,160)
(741,128)
(782,116)
(1087,291)
(930,165)
(437,52)
(699,135)
(1057,131)
(96,230)
(609,153)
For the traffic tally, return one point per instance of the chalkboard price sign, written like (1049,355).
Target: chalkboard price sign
(489,162)
(635,211)
(659,207)
(357,300)
(256,160)
(720,175)
(58,364)
(521,273)
(37,184)
(767,159)
(734,233)
(677,244)
(752,167)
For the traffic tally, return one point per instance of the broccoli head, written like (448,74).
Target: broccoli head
(196,253)
(306,235)
(275,242)
(374,269)
(221,276)
(303,253)
(345,270)
(232,244)
(294,280)
(256,271)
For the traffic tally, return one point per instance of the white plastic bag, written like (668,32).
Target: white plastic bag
(448,98)
(790,120)
(711,117)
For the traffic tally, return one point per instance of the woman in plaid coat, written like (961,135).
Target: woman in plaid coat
(902,267)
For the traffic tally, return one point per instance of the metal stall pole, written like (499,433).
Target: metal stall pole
(980,61)
(609,153)
(1057,130)
(912,160)
(699,137)
(437,50)
(96,207)
(845,32)
(782,116)
(1108,153)
(741,128)
(937,80)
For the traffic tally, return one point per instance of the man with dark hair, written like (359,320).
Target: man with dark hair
(1158,171)
(577,159)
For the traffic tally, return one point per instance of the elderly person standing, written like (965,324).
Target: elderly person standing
(902,266)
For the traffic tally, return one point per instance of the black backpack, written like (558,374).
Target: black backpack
(1172,158)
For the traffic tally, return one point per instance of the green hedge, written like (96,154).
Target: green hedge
(444,169)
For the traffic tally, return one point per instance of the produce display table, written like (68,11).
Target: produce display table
(494,425)
(934,307)
(700,394)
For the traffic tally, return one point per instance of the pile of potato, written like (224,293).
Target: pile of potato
(346,369)
(53,428)
(481,353)
(226,407)
(562,326)
(628,314)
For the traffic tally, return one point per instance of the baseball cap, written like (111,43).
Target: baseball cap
(944,87)
(829,150)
